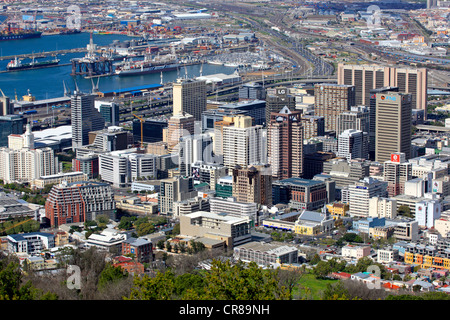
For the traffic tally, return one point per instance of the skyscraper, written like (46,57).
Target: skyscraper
(353,144)
(6,107)
(276,99)
(189,96)
(393,125)
(330,100)
(10,124)
(373,116)
(356,118)
(285,144)
(252,184)
(368,77)
(85,118)
(178,126)
(244,144)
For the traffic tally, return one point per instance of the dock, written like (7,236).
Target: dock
(43,54)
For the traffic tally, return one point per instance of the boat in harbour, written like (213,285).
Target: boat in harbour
(149,65)
(17,64)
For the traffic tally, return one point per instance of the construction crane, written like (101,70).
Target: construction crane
(142,130)
(17,224)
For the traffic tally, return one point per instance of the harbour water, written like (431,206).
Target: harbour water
(48,82)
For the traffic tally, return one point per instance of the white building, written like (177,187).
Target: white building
(30,243)
(387,255)
(21,162)
(233,207)
(244,144)
(108,239)
(382,208)
(427,211)
(353,144)
(122,167)
(361,192)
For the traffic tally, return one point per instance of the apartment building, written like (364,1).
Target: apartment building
(172,190)
(330,100)
(31,243)
(253,184)
(355,252)
(79,202)
(380,207)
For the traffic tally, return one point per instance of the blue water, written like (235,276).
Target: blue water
(48,82)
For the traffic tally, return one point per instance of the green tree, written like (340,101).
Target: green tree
(111,274)
(145,228)
(335,291)
(243,282)
(160,287)
(322,269)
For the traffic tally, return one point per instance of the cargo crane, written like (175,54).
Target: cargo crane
(142,130)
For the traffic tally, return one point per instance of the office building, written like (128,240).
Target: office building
(208,173)
(79,202)
(187,206)
(313,126)
(373,116)
(234,208)
(427,211)
(380,207)
(368,77)
(252,184)
(189,96)
(6,107)
(109,139)
(243,143)
(285,144)
(10,124)
(172,190)
(87,164)
(251,91)
(353,144)
(330,100)
(224,187)
(346,172)
(360,194)
(393,125)
(58,178)
(85,118)
(313,163)
(121,168)
(300,193)
(141,249)
(313,223)
(178,126)
(231,230)
(193,149)
(277,99)
(396,172)
(109,111)
(356,118)
(152,130)
(266,254)
(252,108)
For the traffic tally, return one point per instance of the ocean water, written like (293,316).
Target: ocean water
(48,82)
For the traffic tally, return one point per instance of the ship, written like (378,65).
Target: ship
(158,64)
(16,64)
(20,36)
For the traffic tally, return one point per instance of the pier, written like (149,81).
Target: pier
(43,54)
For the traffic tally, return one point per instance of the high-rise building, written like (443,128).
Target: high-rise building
(353,144)
(368,77)
(189,96)
(373,116)
(396,172)
(313,126)
(6,107)
(85,118)
(178,126)
(285,144)
(393,125)
(79,202)
(10,124)
(21,162)
(192,149)
(330,100)
(244,144)
(251,91)
(360,194)
(252,184)
(109,111)
(427,211)
(356,118)
(277,99)
(172,190)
